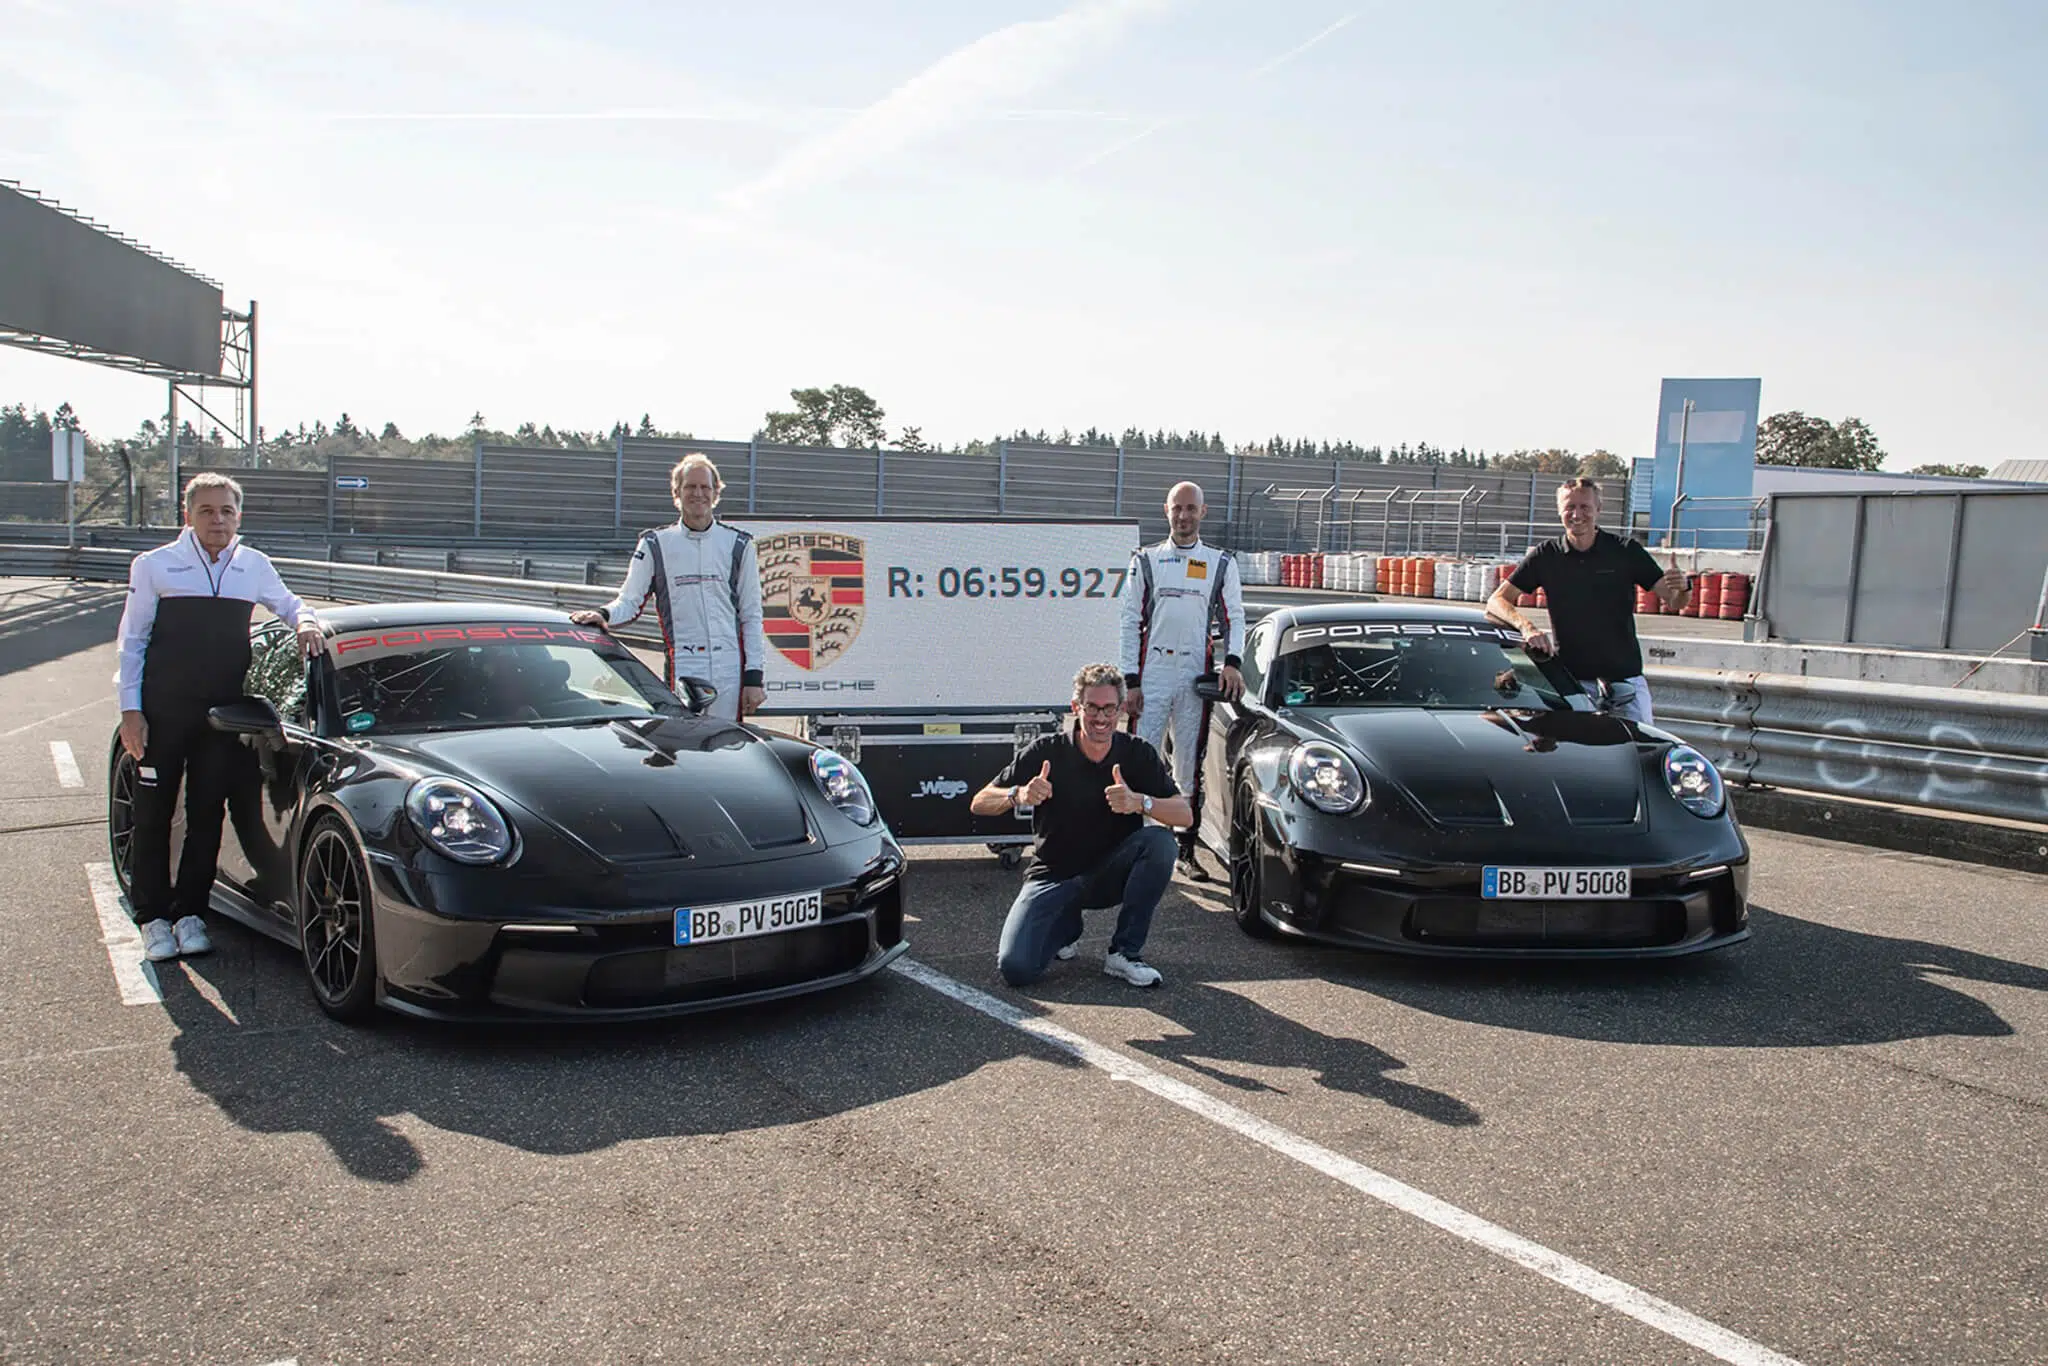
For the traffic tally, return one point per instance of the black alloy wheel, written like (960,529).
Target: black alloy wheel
(121,816)
(1247,865)
(337,936)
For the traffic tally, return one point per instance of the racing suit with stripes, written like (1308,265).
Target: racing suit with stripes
(1180,603)
(705,587)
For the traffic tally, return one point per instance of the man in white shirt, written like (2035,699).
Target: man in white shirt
(1183,599)
(184,648)
(704,581)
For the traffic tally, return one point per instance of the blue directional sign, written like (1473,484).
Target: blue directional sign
(351,481)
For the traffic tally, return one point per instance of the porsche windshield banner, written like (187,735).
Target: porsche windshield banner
(936,615)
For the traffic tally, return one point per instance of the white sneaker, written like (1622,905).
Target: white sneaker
(1069,951)
(1136,971)
(159,943)
(192,938)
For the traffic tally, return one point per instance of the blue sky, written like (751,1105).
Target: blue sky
(1491,225)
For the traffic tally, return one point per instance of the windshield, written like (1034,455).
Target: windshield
(475,682)
(1465,671)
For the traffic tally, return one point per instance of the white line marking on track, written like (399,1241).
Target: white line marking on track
(1577,1277)
(59,716)
(133,974)
(67,764)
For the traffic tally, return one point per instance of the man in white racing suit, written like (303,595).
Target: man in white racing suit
(1183,598)
(703,580)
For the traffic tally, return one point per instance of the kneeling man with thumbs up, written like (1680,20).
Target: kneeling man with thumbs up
(1094,792)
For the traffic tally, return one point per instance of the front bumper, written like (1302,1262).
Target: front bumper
(1438,911)
(442,960)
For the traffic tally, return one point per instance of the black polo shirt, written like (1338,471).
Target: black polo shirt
(1592,601)
(1074,829)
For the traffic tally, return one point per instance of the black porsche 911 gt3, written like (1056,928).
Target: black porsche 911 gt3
(486,812)
(1407,778)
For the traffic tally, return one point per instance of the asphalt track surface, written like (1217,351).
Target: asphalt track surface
(1824,1145)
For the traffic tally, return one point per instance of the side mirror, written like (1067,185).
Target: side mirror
(698,693)
(250,716)
(1208,687)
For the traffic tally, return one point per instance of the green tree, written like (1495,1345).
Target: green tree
(1795,439)
(844,415)
(912,440)
(1953,471)
(1553,461)
(1856,445)
(1603,465)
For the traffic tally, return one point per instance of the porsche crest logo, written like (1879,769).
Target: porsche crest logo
(813,594)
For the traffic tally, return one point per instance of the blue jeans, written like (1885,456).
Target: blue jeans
(1046,916)
(1631,698)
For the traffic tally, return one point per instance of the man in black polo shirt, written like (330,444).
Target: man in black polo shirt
(1589,577)
(1093,791)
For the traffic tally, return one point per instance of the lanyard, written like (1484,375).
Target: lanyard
(212,581)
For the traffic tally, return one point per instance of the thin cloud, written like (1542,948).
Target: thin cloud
(1265,68)
(1124,144)
(998,67)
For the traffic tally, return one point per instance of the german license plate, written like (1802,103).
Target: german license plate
(1555,884)
(745,919)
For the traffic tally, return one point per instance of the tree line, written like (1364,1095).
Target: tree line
(839,415)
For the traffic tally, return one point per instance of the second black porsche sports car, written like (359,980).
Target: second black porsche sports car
(1407,778)
(481,811)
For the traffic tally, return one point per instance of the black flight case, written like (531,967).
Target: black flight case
(925,769)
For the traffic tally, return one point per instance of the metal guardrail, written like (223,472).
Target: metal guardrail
(1977,753)
(1983,754)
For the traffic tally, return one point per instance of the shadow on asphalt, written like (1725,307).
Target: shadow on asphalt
(1793,984)
(280,1066)
(46,621)
(1218,1028)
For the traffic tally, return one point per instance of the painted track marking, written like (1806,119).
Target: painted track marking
(67,764)
(55,716)
(1645,1308)
(133,974)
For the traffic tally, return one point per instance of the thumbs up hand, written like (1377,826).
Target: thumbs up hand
(1121,799)
(1039,789)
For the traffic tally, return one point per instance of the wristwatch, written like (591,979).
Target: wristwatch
(1146,805)
(1017,796)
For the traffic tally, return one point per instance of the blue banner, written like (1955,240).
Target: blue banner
(1708,426)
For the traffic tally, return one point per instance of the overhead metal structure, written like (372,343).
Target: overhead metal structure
(74,288)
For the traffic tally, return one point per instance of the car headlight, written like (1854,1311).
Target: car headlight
(457,820)
(1326,778)
(1694,781)
(843,786)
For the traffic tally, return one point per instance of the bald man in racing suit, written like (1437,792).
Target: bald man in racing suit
(1182,597)
(704,582)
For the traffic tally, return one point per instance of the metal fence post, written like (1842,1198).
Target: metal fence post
(1002,478)
(1855,573)
(1119,510)
(881,473)
(1948,582)
(476,482)
(1230,503)
(330,495)
(753,471)
(618,480)
(175,501)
